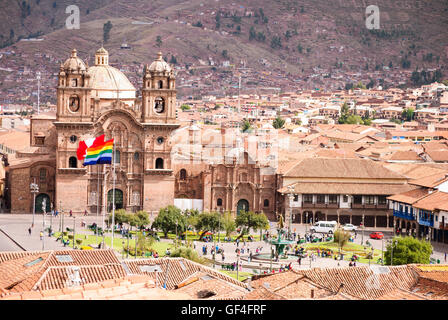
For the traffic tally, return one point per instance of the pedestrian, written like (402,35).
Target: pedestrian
(29,231)
(445,256)
(85,212)
(41,235)
(300,261)
(71,213)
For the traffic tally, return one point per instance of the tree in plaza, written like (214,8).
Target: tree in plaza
(228,223)
(168,218)
(141,219)
(120,217)
(278,123)
(249,220)
(188,253)
(144,243)
(407,250)
(208,221)
(341,237)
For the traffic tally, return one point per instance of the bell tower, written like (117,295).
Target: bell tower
(72,96)
(159,93)
(159,122)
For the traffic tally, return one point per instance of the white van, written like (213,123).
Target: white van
(324,227)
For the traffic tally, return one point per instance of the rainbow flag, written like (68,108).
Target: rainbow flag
(95,151)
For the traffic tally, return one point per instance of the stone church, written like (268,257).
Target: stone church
(99,99)
(92,101)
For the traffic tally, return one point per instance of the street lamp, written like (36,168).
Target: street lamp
(44,204)
(34,188)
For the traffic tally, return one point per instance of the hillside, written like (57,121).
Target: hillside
(285,37)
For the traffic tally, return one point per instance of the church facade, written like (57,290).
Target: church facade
(92,101)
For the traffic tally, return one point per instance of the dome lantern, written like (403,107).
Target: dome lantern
(101,57)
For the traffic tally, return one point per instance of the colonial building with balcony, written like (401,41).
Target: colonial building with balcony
(423,211)
(345,190)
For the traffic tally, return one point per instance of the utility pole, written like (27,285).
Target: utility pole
(74,231)
(34,190)
(44,204)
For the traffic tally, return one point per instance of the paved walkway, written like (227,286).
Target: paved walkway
(16,227)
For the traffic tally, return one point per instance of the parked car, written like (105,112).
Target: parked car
(349,227)
(376,235)
(324,227)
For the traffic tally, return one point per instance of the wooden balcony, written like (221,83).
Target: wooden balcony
(369,206)
(320,205)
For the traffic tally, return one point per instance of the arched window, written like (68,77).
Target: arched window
(266,203)
(183,174)
(219,202)
(159,163)
(72,162)
(117,156)
(136,156)
(160,84)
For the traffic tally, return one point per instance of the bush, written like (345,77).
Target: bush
(78,242)
(188,253)
(341,237)
(407,250)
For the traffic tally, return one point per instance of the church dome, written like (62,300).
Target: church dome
(159,65)
(109,82)
(74,63)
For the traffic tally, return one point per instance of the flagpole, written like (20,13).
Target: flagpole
(104,203)
(113,195)
(97,203)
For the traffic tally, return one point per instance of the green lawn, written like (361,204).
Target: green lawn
(119,242)
(348,250)
(172,236)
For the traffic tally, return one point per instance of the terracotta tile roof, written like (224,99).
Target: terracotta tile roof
(176,270)
(438,155)
(59,277)
(410,196)
(126,288)
(436,200)
(262,293)
(341,168)
(404,155)
(347,188)
(13,272)
(431,181)
(220,289)
(23,271)
(80,257)
(416,170)
(362,282)
(401,294)
(336,153)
